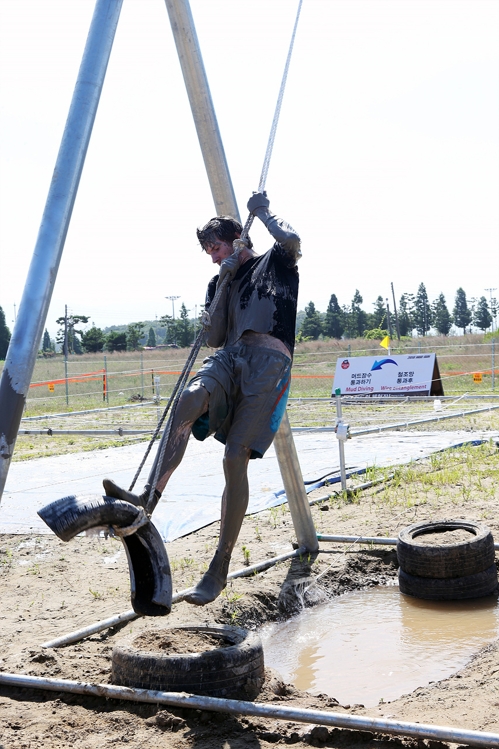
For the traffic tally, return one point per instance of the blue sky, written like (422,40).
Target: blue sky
(386,158)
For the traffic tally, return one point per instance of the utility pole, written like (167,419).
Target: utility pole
(172,299)
(490,295)
(396,315)
(388,319)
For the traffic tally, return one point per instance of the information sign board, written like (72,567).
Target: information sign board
(395,374)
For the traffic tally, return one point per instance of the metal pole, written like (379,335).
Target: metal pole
(493,363)
(42,274)
(294,487)
(274,710)
(66,352)
(388,319)
(107,379)
(341,446)
(396,314)
(203,112)
(142,373)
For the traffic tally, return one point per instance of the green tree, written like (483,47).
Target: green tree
(355,317)
(406,323)
(422,313)
(168,322)
(151,339)
(333,321)
(442,319)
(312,323)
(462,313)
(93,340)
(482,317)
(46,342)
(184,328)
(376,334)
(4,335)
(67,335)
(116,341)
(378,317)
(134,333)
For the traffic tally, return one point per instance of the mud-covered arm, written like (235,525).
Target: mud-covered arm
(283,233)
(217,330)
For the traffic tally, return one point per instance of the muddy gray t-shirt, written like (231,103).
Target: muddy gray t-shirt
(262,297)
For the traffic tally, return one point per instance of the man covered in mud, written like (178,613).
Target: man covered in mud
(239,394)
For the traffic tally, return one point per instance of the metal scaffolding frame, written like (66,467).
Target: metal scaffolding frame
(39,286)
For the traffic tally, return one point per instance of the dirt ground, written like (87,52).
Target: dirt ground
(50,588)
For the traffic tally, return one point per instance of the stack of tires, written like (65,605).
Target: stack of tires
(446,571)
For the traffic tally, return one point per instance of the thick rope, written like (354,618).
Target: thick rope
(238,246)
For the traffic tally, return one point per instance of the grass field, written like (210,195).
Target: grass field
(131,377)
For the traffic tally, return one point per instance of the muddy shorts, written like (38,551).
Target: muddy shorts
(249,387)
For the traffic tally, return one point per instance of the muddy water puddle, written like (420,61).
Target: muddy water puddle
(375,645)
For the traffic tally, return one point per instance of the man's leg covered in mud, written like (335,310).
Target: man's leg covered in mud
(234,506)
(193,403)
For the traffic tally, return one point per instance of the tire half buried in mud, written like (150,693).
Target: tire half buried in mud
(234,668)
(446,560)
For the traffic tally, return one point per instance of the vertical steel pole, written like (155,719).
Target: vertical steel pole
(107,379)
(341,446)
(142,373)
(397,326)
(203,111)
(66,352)
(292,478)
(493,363)
(210,140)
(40,282)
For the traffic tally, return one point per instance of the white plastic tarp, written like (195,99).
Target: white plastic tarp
(192,498)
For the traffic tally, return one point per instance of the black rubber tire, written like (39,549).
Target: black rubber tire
(446,560)
(453,589)
(236,671)
(71,515)
(150,576)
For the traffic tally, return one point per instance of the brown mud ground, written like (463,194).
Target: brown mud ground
(50,588)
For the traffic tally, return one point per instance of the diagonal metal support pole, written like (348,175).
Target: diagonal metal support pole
(210,140)
(21,356)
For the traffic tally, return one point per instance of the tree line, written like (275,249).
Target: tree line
(414,312)
(72,338)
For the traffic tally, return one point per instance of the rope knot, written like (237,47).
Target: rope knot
(140,520)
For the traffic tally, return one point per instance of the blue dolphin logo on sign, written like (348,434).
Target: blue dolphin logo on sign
(378,364)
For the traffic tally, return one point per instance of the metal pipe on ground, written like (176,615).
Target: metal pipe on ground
(239,707)
(358,540)
(127,616)
(365,540)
